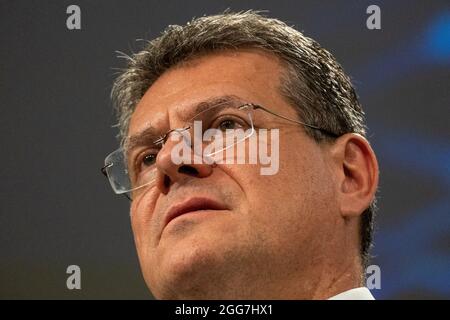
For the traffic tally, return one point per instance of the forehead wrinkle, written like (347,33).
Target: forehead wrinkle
(150,130)
(150,133)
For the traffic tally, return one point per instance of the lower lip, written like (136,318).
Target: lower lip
(198,214)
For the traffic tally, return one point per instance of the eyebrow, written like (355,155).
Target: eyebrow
(151,133)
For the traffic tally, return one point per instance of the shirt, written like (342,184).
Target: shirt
(361,293)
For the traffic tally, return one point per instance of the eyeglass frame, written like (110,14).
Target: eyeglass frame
(164,137)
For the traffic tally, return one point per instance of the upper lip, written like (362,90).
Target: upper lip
(190,205)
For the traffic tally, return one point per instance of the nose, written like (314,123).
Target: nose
(170,170)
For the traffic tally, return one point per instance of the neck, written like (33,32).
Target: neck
(322,281)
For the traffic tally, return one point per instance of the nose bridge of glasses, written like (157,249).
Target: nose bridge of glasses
(198,131)
(199,121)
(171,133)
(170,140)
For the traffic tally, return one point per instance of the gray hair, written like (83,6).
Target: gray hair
(313,81)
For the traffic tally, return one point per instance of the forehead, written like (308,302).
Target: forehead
(252,75)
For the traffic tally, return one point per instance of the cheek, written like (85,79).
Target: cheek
(142,219)
(288,201)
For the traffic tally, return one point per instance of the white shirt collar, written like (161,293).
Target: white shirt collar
(361,293)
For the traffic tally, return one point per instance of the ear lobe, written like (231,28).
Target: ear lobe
(358,176)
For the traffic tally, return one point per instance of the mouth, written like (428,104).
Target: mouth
(192,205)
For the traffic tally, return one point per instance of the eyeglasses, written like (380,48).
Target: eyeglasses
(205,137)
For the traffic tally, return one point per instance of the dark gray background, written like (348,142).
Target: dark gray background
(56,118)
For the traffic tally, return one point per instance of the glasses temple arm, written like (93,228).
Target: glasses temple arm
(256,106)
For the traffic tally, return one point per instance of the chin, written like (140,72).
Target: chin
(186,269)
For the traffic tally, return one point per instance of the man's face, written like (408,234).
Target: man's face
(269,229)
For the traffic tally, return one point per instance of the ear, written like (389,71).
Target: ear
(356,172)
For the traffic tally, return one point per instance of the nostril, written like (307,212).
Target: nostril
(166,182)
(191,171)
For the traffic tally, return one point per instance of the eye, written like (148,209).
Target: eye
(149,159)
(144,161)
(229,123)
